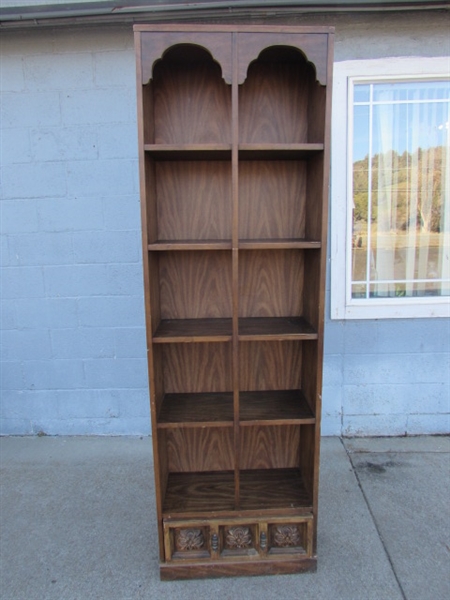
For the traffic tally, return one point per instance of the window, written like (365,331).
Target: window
(390,189)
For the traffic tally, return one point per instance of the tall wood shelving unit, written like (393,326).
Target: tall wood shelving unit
(234,128)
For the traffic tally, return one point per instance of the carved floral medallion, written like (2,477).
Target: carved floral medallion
(238,537)
(286,536)
(189,539)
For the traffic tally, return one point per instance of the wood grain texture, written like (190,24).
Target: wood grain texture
(172,571)
(275,329)
(181,410)
(275,406)
(303,47)
(192,103)
(274,447)
(193,368)
(188,331)
(194,200)
(216,45)
(195,285)
(273,488)
(314,190)
(200,449)
(200,493)
(273,103)
(272,198)
(270,366)
(271,283)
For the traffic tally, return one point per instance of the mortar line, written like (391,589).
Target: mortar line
(374,522)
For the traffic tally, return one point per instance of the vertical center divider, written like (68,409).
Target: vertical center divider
(235,259)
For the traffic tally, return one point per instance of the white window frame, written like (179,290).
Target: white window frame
(343,306)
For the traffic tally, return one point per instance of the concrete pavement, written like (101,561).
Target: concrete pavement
(78,523)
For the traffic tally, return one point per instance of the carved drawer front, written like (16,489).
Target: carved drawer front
(187,541)
(238,540)
(290,537)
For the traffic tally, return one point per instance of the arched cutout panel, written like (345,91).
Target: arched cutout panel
(280,101)
(191,101)
(156,44)
(312,46)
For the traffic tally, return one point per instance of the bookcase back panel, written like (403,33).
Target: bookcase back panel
(274,447)
(193,200)
(272,197)
(200,449)
(273,101)
(192,103)
(197,368)
(270,283)
(195,285)
(270,366)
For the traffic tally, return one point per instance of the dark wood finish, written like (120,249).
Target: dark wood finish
(234,160)
(194,410)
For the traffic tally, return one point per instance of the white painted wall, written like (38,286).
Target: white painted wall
(73,343)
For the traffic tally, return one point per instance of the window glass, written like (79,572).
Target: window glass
(400,190)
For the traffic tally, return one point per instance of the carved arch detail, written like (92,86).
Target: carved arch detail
(217,45)
(313,47)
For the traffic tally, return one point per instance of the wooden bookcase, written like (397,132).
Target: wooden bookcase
(234,160)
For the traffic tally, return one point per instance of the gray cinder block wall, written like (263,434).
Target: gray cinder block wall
(73,336)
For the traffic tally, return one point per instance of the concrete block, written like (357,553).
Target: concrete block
(95,107)
(76,281)
(4,252)
(70,214)
(54,374)
(22,282)
(130,342)
(31,41)
(134,404)
(16,427)
(93,39)
(118,140)
(331,425)
(26,404)
(59,71)
(26,344)
(30,110)
(11,376)
(428,424)
(334,337)
(122,212)
(106,247)
(92,342)
(332,400)
(111,311)
(64,143)
(414,335)
(116,373)
(88,404)
(19,216)
(34,180)
(126,279)
(11,74)
(49,313)
(374,425)
(332,370)
(41,249)
(8,318)
(15,146)
(360,337)
(116,68)
(100,177)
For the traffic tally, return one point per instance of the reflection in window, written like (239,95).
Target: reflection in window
(401,188)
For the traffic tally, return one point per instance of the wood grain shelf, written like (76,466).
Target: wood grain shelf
(189,151)
(266,489)
(171,331)
(279,244)
(274,407)
(197,410)
(278,151)
(275,328)
(170,245)
(199,493)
